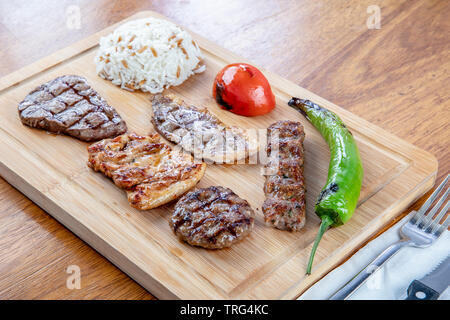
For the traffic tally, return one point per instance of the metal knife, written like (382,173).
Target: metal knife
(432,285)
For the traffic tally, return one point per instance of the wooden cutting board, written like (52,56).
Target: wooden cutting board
(270,264)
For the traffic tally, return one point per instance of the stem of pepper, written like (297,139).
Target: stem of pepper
(326,222)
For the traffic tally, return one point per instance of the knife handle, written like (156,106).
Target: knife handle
(418,291)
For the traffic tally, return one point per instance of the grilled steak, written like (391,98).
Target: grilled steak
(197,131)
(212,218)
(149,170)
(284,207)
(69,105)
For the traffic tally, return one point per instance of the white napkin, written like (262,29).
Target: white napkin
(392,280)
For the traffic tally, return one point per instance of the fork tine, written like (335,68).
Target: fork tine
(421,213)
(444,226)
(431,222)
(435,224)
(416,217)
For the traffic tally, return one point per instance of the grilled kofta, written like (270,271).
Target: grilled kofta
(149,170)
(284,207)
(212,218)
(199,132)
(69,105)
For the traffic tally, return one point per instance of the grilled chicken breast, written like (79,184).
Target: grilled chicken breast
(199,132)
(212,218)
(69,105)
(151,172)
(284,207)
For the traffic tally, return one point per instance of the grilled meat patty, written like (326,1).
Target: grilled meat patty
(199,132)
(149,170)
(69,105)
(212,218)
(284,207)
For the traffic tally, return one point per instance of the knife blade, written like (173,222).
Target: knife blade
(432,285)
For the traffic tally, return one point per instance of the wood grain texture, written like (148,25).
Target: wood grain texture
(396,77)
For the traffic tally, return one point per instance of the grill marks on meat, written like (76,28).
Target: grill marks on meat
(284,207)
(149,170)
(69,105)
(199,132)
(212,218)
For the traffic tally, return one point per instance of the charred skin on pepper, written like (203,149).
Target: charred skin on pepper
(333,187)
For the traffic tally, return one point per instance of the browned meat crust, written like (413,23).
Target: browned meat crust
(198,131)
(212,218)
(149,170)
(69,105)
(284,207)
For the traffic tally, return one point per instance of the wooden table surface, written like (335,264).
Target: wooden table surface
(397,76)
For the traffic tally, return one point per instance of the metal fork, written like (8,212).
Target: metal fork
(420,231)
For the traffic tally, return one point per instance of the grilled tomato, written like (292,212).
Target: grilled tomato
(243,89)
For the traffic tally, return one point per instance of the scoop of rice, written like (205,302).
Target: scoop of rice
(148,54)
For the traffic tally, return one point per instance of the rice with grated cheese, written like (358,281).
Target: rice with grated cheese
(148,54)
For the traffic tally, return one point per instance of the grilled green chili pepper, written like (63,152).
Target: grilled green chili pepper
(338,199)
